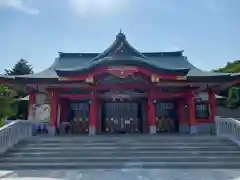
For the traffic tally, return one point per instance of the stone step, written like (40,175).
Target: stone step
(119,165)
(128,136)
(124,148)
(94,153)
(86,159)
(125,139)
(137,144)
(114,152)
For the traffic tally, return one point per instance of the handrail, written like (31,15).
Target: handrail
(14,132)
(228,127)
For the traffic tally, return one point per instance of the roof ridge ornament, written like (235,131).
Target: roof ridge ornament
(120,47)
(121,36)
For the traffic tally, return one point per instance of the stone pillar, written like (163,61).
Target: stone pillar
(53,112)
(151,115)
(192,115)
(93,114)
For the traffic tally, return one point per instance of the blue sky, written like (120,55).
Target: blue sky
(207,30)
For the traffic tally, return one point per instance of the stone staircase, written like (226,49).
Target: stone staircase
(122,152)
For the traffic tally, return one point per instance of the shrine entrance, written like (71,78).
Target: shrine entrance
(79,117)
(166,116)
(122,117)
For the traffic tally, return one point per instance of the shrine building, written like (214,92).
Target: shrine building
(122,90)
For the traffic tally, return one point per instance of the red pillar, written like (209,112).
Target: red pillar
(93,114)
(31,102)
(54,110)
(213,105)
(64,110)
(181,117)
(98,122)
(192,115)
(151,115)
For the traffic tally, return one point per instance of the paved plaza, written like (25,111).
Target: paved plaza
(126,174)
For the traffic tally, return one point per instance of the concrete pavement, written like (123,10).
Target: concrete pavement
(126,174)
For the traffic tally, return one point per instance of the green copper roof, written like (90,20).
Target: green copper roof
(122,53)
(123,60)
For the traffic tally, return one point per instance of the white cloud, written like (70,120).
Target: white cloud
(18,5)
(87,7)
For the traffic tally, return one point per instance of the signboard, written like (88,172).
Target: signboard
(40,113)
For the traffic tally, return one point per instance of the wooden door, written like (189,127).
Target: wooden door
(121,117)
(166,117)
(80,120)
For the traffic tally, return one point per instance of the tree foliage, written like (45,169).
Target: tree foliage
(231,67)
(6,103)
(20,68)
(231,93)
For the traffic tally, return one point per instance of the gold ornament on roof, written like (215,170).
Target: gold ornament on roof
(155,79)
(181,77)
(89,79)
(63,78)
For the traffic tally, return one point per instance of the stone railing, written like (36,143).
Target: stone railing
(228,127)
(14,132)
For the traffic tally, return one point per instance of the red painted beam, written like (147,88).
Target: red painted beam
(123,86)
(76,96)
(161,95)
(112,86)
(155,95)
(143,86)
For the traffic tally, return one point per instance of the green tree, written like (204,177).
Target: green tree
(20,68)
(230,67)
(6,103)
(233,92)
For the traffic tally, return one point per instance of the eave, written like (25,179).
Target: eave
(111,61)
(214,78)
